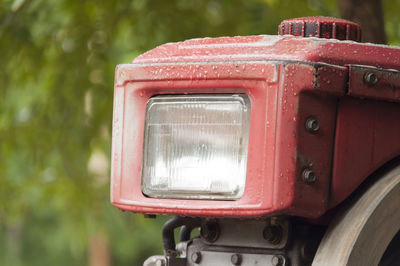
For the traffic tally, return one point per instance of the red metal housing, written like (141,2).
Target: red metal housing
(288,80)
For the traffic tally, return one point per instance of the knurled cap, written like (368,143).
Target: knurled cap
(321,27)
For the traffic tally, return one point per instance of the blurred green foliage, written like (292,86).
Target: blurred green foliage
(57,64)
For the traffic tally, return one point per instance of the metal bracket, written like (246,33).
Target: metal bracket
(270,233)
(374,83)
(243,259)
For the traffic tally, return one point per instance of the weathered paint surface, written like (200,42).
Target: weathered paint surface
(271,47)
(367,137)
(287,79)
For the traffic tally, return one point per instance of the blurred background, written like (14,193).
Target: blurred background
(57,62)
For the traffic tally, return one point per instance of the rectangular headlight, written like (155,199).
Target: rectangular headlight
(195,146)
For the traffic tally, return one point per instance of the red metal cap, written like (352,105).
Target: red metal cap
(321,27)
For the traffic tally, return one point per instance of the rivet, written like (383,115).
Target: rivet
(308,176)
(370,78)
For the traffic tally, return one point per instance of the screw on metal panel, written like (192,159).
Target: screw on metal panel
(277,261)
(160,263)
(210,231)
(236,259)
(273,234)
(370,79)
(308,176)
(312,125)
(196,257)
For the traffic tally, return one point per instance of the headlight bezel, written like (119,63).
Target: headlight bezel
(137,83)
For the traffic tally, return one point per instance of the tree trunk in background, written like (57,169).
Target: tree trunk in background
(13,244)
(99,251)
(369,15)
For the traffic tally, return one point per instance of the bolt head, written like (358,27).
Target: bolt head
(196,257)
(312,125)
(236,259)
(273,234)
(308,176)
(370,78)
(210,231)
(277,261)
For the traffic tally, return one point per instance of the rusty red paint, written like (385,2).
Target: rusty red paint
(367,137)
(277,48)
(297,149)
(287,80)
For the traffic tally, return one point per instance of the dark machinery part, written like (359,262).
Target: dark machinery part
(168,231)
(230,242)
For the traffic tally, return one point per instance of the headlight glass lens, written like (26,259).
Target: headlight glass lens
(195,146)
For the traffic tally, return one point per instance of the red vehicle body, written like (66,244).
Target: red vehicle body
(351,91)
